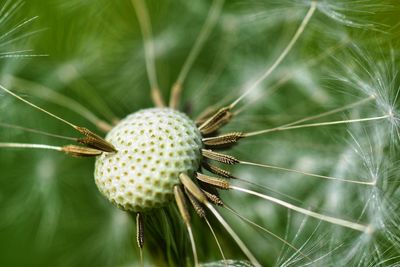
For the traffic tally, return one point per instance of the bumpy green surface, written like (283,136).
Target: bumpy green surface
(154,146)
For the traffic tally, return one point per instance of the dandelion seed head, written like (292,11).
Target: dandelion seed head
(111,59)
(154,147)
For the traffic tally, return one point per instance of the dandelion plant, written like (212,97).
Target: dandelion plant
(199,133)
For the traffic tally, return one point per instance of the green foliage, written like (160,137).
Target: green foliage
(51,211)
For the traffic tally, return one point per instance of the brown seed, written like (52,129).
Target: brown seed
(180,201)
(223,140)
(192,188)
(196,205)
(216,170)
(139,230)
(78,151)
(227,159)
(94,141)
(221,183)
(214,198)
(219,119)
(205,115)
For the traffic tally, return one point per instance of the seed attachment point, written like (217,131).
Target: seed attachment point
(220,183)
(79,152)
(139,230)
(216,121)
(94,141)
(228,139)
(227,159)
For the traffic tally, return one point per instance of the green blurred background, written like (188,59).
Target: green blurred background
(51,211)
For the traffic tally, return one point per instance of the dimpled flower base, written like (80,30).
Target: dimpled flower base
(154,146)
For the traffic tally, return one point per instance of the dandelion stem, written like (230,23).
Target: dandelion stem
(32,146)
(182,206)
(265,230)
(288,76)
(330,112)
(329,123)
(284,53)
(17,127)
(5,14)
(333,220)
(72,150)
(267,188)
(37,107)
(215,238)
(148,42)
(91,139)
(22,55)
(219,63)
(306,173)
(18,37)
(15,52)
(22,24)
(232,233)
(211,110)
(43,92)
(86,90)
(190,232)
(141,257)
(209,24)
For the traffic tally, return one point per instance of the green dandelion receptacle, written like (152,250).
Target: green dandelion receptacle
(154,147)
